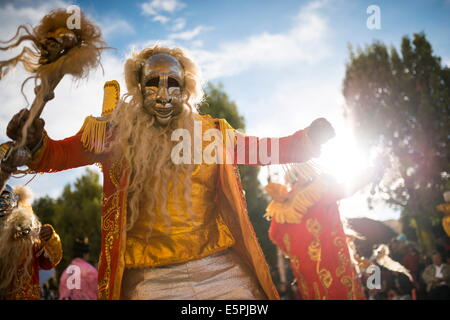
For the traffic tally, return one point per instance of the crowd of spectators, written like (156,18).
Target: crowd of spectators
(430,273)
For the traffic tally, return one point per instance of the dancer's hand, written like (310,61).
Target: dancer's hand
(35,131)
(46,232)
(320,131)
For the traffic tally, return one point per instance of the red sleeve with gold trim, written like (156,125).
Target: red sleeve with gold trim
(250,150)
(58,155)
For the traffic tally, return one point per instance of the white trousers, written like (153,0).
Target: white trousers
(220,276)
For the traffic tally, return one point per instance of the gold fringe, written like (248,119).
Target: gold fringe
(297,203)
(94,134)
(94,129)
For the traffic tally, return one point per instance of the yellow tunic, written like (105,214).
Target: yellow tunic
(185,237)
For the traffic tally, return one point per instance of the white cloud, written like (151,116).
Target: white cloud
(304,42)
(160,18)
(11,15)
(188,34)
(112,27)
(179,24)
(150,43)
(196,43)
(154,6)
(157,9)
(162,11)
(295,104)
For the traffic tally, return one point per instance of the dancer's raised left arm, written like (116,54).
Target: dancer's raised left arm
(298,147)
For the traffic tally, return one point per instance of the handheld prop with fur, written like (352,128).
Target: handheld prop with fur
(55,50)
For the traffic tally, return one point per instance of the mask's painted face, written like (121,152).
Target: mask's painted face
(8,201)
(162,81)
(56,44)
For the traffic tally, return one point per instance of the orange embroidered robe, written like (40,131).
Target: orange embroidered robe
(71,152)
(316,245)
(47,255)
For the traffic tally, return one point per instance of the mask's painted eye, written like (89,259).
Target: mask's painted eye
(153,82)
(171,83)
(174,91)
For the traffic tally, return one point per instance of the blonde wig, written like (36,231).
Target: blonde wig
(146,146)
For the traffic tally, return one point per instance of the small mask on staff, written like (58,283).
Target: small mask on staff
(56,44)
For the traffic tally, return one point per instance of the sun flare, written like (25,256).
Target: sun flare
(341,158)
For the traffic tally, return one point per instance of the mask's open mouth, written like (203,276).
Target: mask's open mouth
(163,112)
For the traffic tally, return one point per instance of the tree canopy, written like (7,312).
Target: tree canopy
(399,102)
(75,214)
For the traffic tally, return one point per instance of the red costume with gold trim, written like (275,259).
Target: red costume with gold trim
(307,227)
(86,147)
(47,255)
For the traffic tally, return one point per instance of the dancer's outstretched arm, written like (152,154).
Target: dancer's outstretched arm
(298,147)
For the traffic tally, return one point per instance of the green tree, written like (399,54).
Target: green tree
(45,208)
(76,213)
(400,103)
(218,105)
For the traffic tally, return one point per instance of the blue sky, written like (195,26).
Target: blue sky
(282,62)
